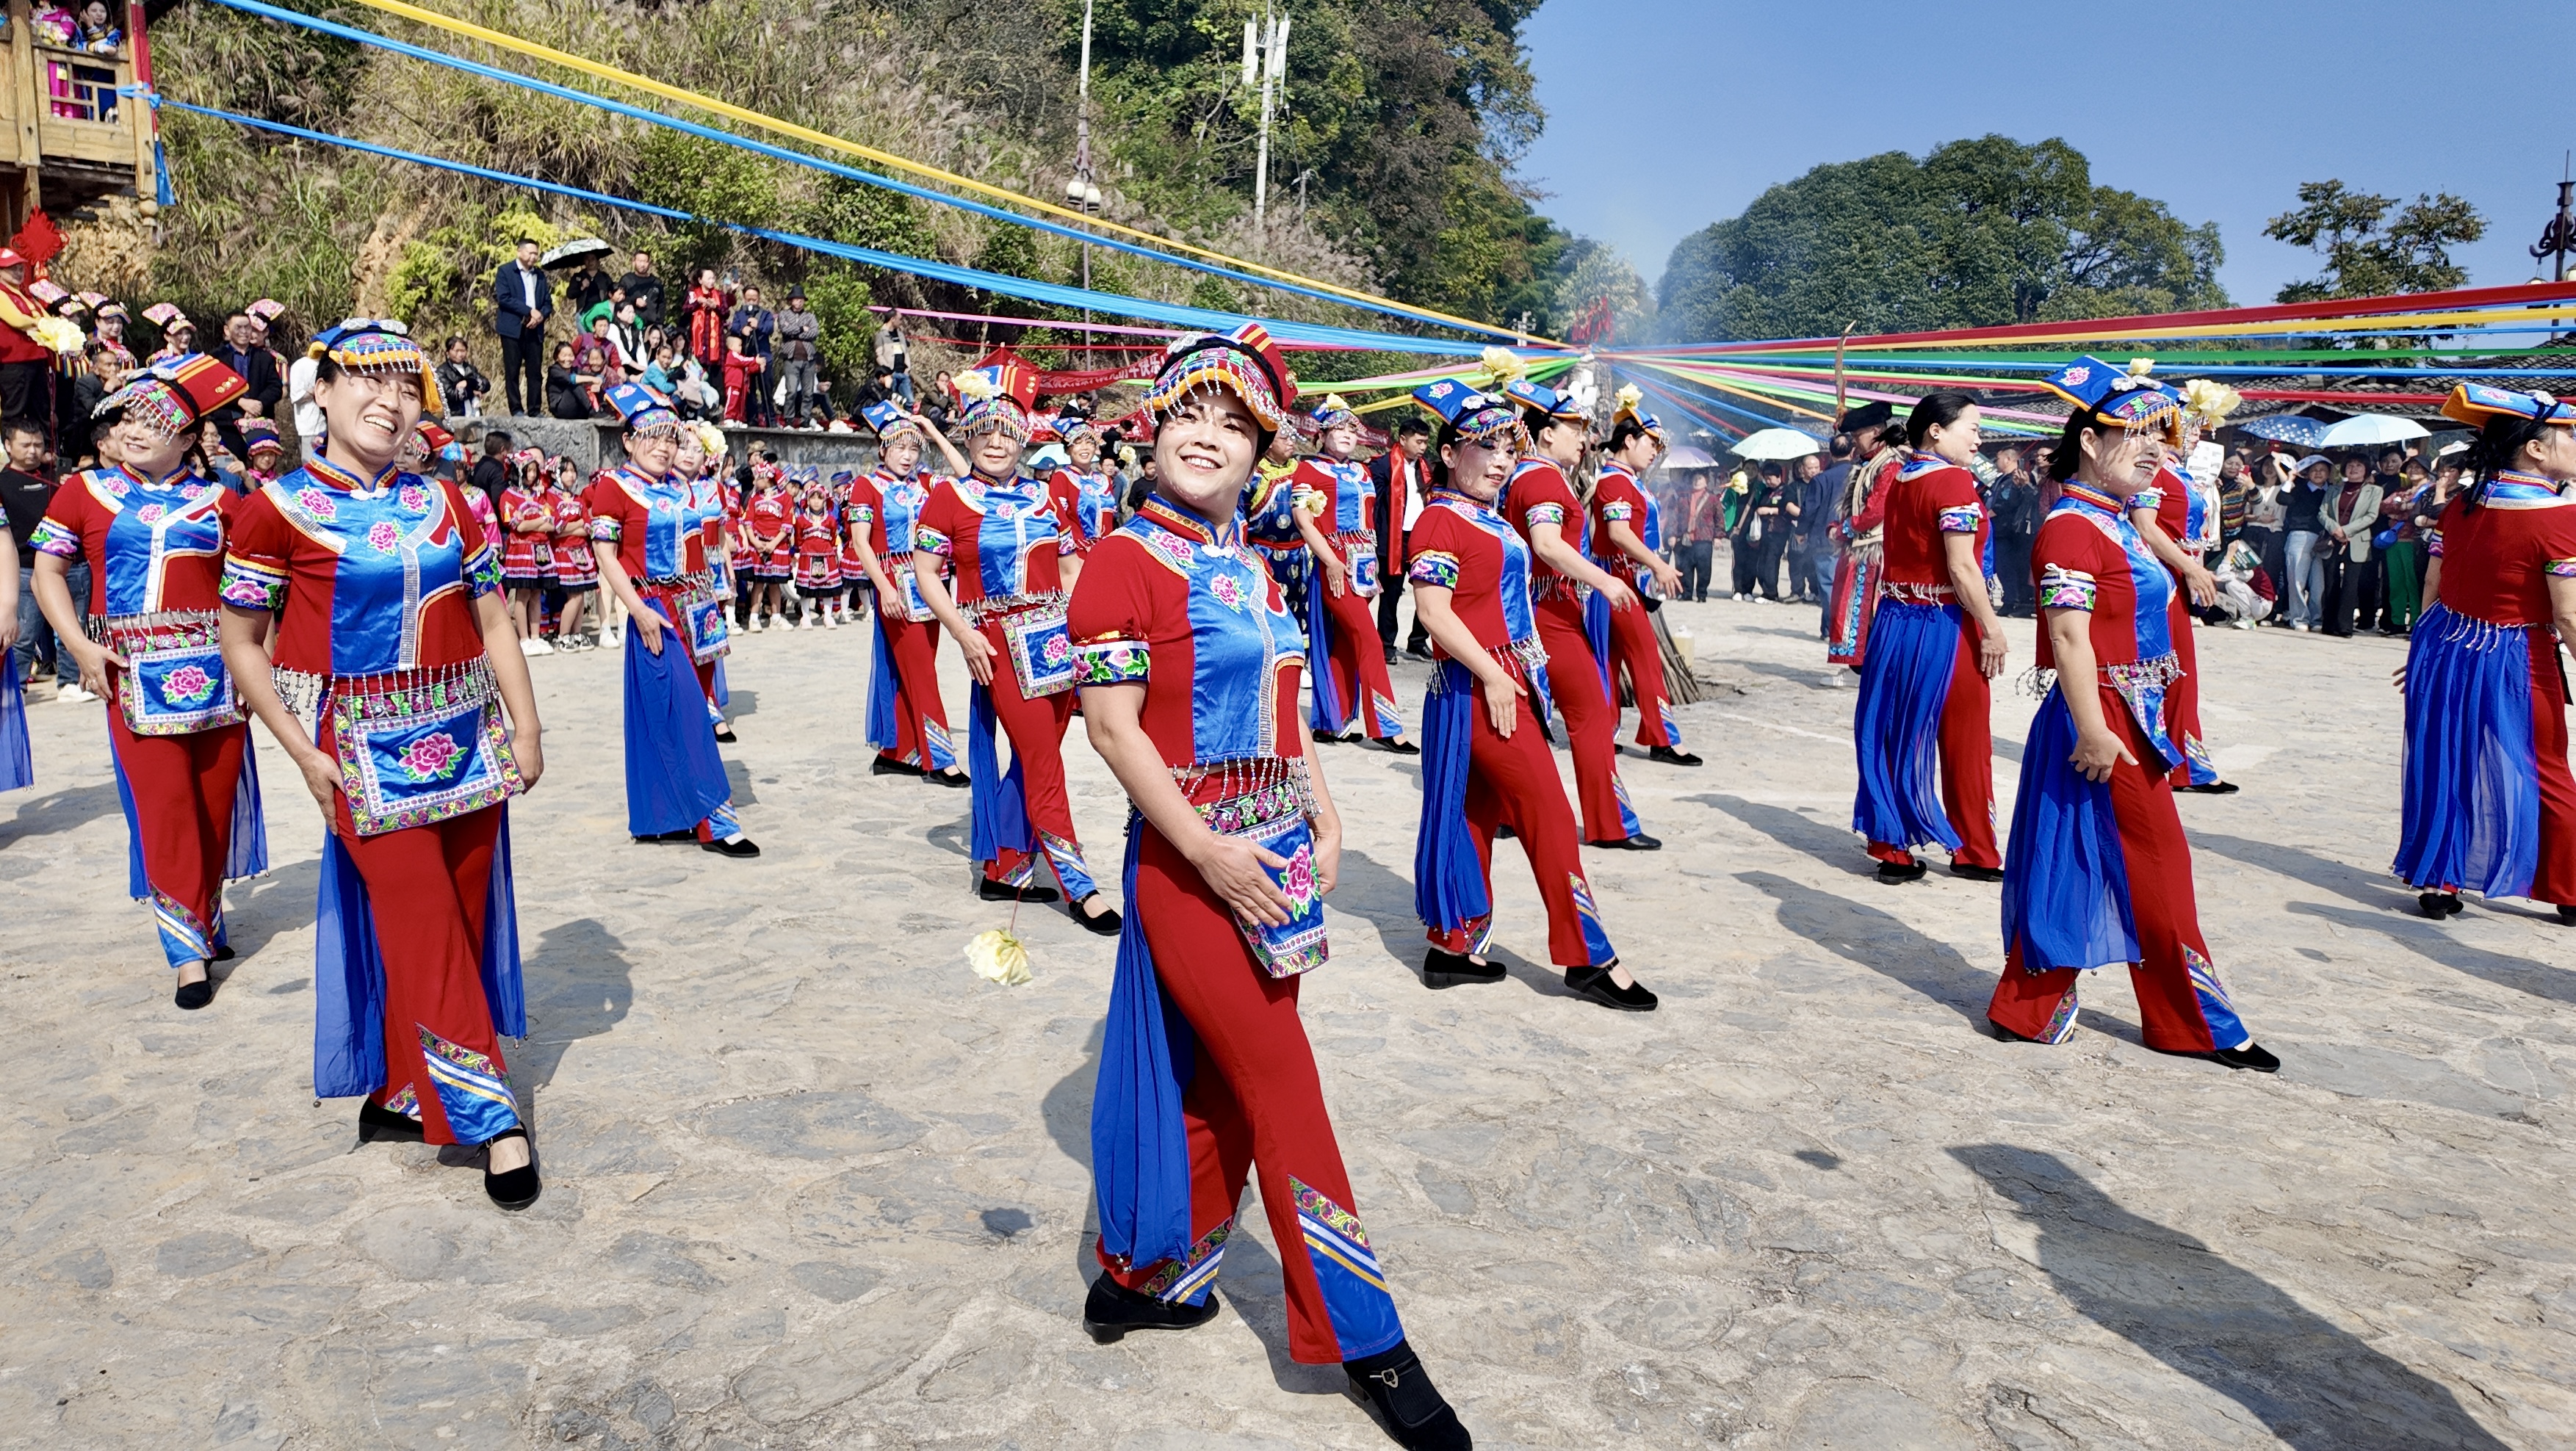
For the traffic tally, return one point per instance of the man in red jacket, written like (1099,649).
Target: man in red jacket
(1402,481)
(26,365)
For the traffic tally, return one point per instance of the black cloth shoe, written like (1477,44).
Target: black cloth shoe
(2438,905)
(518,1188)
(2250,1056)
(1895,872)
(1112,1310)
(1639,842)
(1671,757)
(223,953)
(1400,748)
(2214,788)
(1103,922)
(993,891)
(950,777)
(1976,873)
(1397,1391)
(725,736)
(686,833)
(194,995)
(889,766)
(1594,983)
(1448,969)
(741,847)
(383,1123)
(2565,913)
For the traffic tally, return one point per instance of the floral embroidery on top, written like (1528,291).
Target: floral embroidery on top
(317,503)
(2061,588)
(1434,567)
(2148,499)
(1545,514)
(1961,520)
(151,513)
(1228,591)
(930,541)
(1112,661)
(1617,511)
(253,586)
(413,497)
(2561,568)
(383,536)
(51,538)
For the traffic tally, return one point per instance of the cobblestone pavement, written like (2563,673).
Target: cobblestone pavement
(810,1183)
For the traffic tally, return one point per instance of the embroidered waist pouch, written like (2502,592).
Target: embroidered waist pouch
(1268,803)
(175,683)
(420,746)
(1034,635)
(700,602)
(899,569)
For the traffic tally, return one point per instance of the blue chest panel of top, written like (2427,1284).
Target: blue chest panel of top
(901,509)
(1099,497)
(1519,621)
(148,526)
(1237,642)
(1015,520)
(2146,573)
(398,549)
(671,515)
(1350,496)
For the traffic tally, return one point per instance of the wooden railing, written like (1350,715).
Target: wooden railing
(65,112)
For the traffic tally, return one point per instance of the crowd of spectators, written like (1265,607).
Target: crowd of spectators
(722,354)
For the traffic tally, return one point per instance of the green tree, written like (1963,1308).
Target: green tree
(2370,253)
(1978,233)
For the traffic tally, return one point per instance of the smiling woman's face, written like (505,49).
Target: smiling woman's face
(1478,470)
(367,416)
(1203,453)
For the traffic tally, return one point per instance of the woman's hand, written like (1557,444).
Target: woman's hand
(647,626)
(527,749)
(93,660)
(979,653)
(1618,594)
(2097,751)
(2397,677)
(322,778)
(1233,870)
(1328,854)
(1503,702)
(1334,575)
(2203,586)
(1991,651)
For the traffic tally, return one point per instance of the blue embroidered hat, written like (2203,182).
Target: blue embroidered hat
(1244,362)
(644,410)
(997,396)
(1471,416)
(1546,401)
(1631,409)
(171,395)
(2475,403)
(888,419)
(377,345)
(2126,397)
(1334,413)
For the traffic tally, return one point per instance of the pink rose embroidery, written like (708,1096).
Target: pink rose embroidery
(188,685)
(433,757)
(414,498)
(1057,649)
(1228,591)
(1297,881)
(150,513)
(383,535)
(316,503)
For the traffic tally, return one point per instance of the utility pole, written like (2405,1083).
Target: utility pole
(1082,191)
(1265,61)
(2559,237)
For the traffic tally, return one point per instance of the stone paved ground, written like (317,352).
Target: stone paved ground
(812,1184)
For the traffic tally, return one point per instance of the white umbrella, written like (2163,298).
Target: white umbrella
(2363,428)
(1684,456)
(1776,443)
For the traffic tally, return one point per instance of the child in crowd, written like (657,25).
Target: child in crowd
(576,567)
(527,548)
(769,517)
(818,554)
(741,375)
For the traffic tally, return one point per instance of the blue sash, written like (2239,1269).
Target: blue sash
(1140,1148)
(1896,725)
(2066,880)
(1448,876)
(674,777)
(17,761)
(2471,784)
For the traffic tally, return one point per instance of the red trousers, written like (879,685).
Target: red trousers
(2182,698)
(921,721)
(1967,763)
(429,887)
(2553,879)
(1591,721)
(1254,1104)
(183,818)
(1634,649)
(1366,693)
(2182,1005)
(1515,780)
(1036,729)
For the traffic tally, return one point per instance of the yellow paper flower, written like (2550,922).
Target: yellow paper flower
(999,957)
(1502,365)
(973,385)
(1333,404)
(2141,367)
(59,335)
(2209,400)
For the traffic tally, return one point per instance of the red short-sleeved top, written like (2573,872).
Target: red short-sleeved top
(369,578)
(1341,495)
(654,525)
(1202,626)
(1465,548)
(999,539)
(151,547)
(1616,499)
(2080,564)
(1930,500)
(1539,494)
(2498,559)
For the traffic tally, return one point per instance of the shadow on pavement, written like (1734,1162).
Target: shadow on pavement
(2370,889)
(579,986)
(2314,1385)
(2428,941)
(1835,848)
(1880,942)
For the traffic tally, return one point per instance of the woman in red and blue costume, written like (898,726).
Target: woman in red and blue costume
(907,722)
(648,532)
(1189,661)
(1541,504)
(392,639)
(152,532)
(1012,558)
(697,469)
(1628,541)
(1084,491)
(2489,803)
(2178,524)
(2098,871)
(1336,504)
(1937,642)
(1485,763)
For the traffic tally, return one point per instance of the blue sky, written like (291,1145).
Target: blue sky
(1665,116)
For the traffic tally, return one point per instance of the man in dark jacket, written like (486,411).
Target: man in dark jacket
(2012,501)
(757,326)
(644,290)
(522,302)
(242,352)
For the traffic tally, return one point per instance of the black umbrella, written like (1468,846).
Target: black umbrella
(566,254)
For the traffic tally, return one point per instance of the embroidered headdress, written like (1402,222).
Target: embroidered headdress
(1630,408)
(171,396)
(890,421)
(1472,416)
(1333,413)
(1544,401)
(1244,362)
(647,413)
(379,346)
(2121,398)
(997,397)
(2475,404)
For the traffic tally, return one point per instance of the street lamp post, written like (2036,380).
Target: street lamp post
(1081,192)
